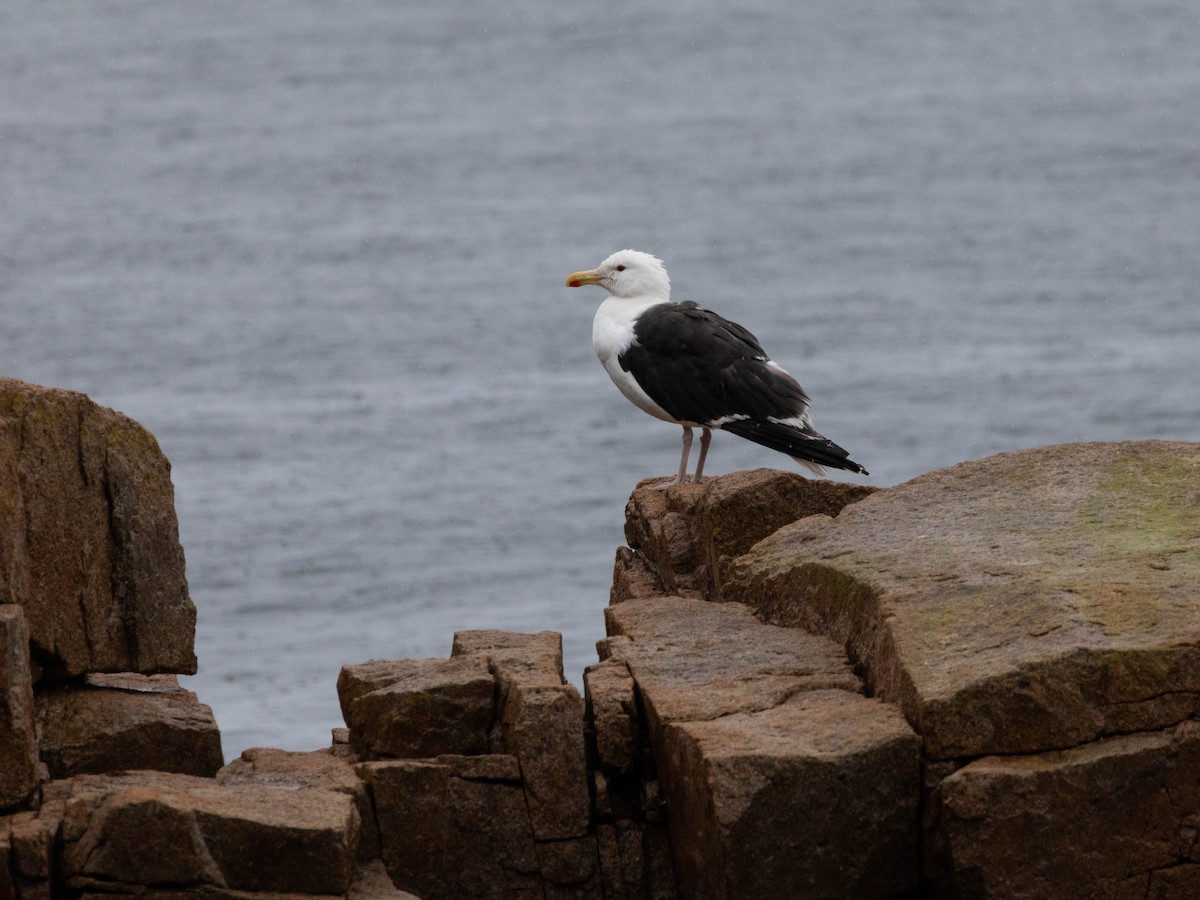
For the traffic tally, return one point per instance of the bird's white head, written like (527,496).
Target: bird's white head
(628,274)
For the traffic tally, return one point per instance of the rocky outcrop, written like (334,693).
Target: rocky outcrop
(89,543)
(113,722)
(779,777)
(981,683)
(690,534)
(18,735)
(1029,601)
(500,805)
(92,579)
(106,764)
(1034,616)
(179,831)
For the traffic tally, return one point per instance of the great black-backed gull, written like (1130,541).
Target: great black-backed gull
(690,366)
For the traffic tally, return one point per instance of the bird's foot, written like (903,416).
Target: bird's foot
(673,482)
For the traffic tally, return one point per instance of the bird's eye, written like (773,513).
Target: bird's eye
(620,268)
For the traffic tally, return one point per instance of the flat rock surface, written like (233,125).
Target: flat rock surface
(696,660)
(1028,601)
(514,655)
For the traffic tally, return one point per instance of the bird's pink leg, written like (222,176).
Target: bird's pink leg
(687,451)
(705,438)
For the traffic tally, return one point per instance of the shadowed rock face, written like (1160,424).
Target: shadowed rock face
(1025,602)
(89,542)
(18,732)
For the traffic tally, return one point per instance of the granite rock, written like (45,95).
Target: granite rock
(90,544)
(694,660)
(413,708)
(1118,817)
(168,830)
(110,723)
(294,770)
(455,826)
(814,798)
(541,720)
(613,716)
(18,735)
(1029,601)
(779,777)
(686,535)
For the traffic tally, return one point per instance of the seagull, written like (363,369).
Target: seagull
(689,366)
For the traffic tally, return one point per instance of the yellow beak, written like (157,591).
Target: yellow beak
(588,276)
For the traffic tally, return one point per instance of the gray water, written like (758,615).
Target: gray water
(319,249)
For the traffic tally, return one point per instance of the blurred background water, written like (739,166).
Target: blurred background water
(319,248)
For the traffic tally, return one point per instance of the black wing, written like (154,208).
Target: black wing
(700,367)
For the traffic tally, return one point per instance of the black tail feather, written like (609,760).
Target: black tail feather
(807,445)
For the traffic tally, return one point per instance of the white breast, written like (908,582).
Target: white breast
(612,335)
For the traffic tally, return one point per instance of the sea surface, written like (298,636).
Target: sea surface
(318,248)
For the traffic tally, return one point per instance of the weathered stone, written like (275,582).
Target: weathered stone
(165,830)
(106,890)
(513,655)
(612,712)
(738,510)
(779,778)
(612,878)
(8,886)
(683,538)
(633,577)
(1025,602)
(18,739)
(136,722)
(300,770)
(570,868)
(816,797)
(93,553)
(696,660)
(455,827)
(658,528)
(541,721)
(15,578)
(1116,818)
(544,729)
(373,883)
(417,707)
(32,844)
(27,850)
